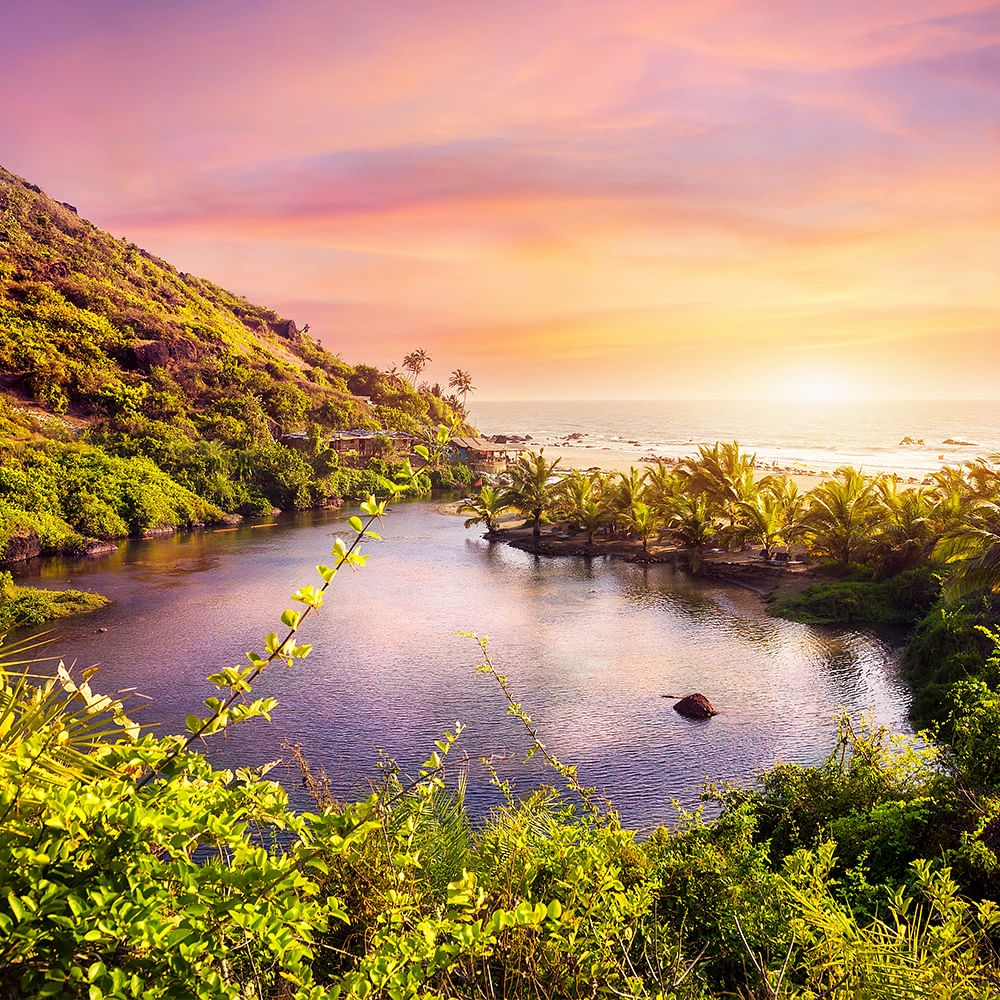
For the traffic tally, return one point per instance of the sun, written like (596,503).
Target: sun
(819,387)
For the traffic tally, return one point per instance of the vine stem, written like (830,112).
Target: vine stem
(279,653)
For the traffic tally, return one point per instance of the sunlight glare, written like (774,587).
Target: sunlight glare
(806,387)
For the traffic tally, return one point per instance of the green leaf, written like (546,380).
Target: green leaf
(193,723)
(356,524)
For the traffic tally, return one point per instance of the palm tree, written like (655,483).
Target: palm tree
(531,490)
(843,514)
(461,382)
(723,472)
(664,484)
(579,500)
(624,492)
(984,478)
(645,522)
(691,524)
(592,515)
(771,516)
(908,532)
(214,456)
(416,362)
(975,547)
(761,520)
(394,375)
(487,507)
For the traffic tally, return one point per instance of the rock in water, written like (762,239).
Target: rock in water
(695,706)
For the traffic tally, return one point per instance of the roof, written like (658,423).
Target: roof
(480,444)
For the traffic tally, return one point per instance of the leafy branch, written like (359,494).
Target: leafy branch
(596,804)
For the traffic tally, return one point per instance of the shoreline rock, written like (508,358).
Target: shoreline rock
(92,548)
(21,547)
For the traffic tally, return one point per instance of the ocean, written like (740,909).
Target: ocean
(822,435)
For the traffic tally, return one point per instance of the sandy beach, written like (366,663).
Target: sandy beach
(611,460)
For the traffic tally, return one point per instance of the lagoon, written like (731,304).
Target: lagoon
(589,648)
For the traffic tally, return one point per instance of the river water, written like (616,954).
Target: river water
(589,648)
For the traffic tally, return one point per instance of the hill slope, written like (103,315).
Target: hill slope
(135,397)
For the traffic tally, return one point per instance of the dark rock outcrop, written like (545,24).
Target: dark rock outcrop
(21,546)
(148,354)
(695,706)
(94,547)
(961,444)
(286,328)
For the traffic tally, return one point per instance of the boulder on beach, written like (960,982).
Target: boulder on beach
(695,706)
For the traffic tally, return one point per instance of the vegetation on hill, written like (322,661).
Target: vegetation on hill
(132,868)
(135,397)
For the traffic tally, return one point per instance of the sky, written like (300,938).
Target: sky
(628,199)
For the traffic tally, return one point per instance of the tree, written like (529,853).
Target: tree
(487,507)
(415,362)
(691,524)
(644,522)
(843,514)
(531,489)
(723,473)
(624,493)
(664,485)
(761,520)
(771,515)
(975,548)
(579,500)
(461,382)
(395,376)
(908,532)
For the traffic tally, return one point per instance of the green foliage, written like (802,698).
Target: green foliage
(92,494)
(974,720)
(30,606)
(947,647)
(900,600)
(877,795)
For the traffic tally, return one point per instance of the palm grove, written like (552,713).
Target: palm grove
(886,553)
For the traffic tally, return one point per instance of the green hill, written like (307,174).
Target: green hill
(135,397)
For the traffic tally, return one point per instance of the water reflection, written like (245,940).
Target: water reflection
(589,647)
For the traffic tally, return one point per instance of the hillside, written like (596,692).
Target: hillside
(136,398)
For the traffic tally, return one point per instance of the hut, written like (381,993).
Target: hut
(481,454)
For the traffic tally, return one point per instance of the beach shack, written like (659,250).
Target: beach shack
(367,444)
(364,444)
(481,454)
